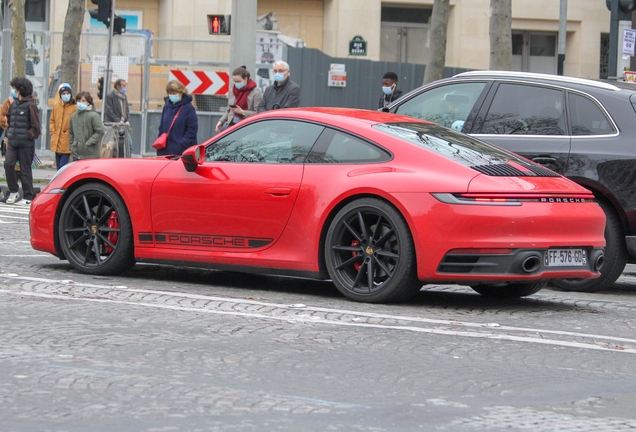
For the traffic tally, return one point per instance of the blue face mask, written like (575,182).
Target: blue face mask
(387,90)
(123,90)
(82,106)
(279,77)
(174,98)
(66,98)
(239,85)
(14,94)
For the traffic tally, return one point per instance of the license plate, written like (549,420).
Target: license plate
(565,257)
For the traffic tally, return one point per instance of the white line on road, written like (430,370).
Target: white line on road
(492,332)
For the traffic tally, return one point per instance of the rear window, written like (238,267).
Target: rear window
(464,149)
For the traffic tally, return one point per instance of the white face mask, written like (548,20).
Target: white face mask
(387,90)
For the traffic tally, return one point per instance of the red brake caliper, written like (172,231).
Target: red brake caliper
(355,254)
(113,222)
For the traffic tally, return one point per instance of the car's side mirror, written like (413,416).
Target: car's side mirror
(193,157)
(385,109)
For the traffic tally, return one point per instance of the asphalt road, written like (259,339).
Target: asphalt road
(176,349)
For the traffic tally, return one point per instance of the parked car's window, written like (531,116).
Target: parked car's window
(587,117)
(269,141)
(453,145)
(525,110)
(448,105)
(338,147)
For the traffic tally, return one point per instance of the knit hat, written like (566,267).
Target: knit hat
(64,87)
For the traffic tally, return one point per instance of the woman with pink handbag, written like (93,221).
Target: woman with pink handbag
(179,124)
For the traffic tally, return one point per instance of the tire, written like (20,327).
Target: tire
(508,290)
(615,257)
(95,231)
(369,253)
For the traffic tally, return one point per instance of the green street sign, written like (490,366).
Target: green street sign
(358,46)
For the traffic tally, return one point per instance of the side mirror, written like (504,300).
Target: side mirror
(193,157)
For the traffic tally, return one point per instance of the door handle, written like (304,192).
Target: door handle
(544,160)
(278,191)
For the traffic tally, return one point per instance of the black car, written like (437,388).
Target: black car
(583,129)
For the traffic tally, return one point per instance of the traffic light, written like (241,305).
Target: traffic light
(103,11)
(219,24)
(100,88)
(119,25)
(625,8)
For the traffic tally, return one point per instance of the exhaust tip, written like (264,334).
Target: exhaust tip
(531,264)
(598,263)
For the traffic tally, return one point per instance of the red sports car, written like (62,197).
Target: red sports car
(378,203)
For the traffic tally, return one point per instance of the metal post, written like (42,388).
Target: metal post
(144,97)
(563,21)
(613,42)
(108,55)
(243,38)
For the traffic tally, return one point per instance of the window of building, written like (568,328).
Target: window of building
(405,33)
(35,10)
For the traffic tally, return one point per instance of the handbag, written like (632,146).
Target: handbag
(161,142)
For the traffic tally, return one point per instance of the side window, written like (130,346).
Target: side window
(338,147)
(269,141)
(587,118)
(525,110)
(448,105)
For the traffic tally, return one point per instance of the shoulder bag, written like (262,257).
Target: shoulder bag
(161,142)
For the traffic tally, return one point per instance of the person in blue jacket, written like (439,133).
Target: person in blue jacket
(184,130)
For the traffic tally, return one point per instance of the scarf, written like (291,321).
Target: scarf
(241,95)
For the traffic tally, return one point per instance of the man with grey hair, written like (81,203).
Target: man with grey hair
(284,93)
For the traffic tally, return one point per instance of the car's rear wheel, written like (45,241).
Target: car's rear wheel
(369,253)
(508,290)
(95,232)
(615,257)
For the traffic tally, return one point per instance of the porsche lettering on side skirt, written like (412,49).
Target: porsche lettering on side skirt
(206,240)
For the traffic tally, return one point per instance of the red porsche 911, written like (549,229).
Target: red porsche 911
(379,203)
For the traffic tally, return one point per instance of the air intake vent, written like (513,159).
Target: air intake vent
(505,170)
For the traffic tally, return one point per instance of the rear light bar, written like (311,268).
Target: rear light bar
(508,199)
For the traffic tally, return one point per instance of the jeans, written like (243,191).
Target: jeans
(61,159)
(24,155)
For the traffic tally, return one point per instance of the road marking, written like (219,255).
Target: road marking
(486,332)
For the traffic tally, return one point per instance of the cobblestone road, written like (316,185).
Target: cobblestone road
(176,349)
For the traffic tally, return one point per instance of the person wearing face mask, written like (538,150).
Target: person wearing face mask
(284,93)
(63,108)
(86,129)
(24,129)
(389,89)
(116,108)
(243,100)
(178,119)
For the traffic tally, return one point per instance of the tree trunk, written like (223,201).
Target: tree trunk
(437,53)
(500,35)
(18,35)
(71,42)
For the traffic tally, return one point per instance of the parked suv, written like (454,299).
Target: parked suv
(583,129)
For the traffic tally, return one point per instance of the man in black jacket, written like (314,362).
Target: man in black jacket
(116,108)
(284,93)
(24,129)
(389,88)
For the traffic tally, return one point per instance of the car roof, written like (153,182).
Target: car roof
(546,78)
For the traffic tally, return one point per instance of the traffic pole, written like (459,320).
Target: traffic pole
(107,72)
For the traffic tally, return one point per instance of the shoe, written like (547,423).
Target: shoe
(24,203)
(13,198)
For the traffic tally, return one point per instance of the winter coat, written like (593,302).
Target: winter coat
(24,122)
(113,107)
(59,124)
(184,131)
(397,93)
(4,111)
(284,95)
(85,134)
(254,98)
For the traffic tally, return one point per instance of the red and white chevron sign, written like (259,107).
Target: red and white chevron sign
(202,82)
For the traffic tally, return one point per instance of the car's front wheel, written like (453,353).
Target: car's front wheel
(369,253)
(508,290)
(95,231)
(615,257)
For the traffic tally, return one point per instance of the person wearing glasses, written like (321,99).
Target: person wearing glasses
(284,93)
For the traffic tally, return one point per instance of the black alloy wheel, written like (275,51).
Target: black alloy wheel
(370,254)
(508,290)
(95,232)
